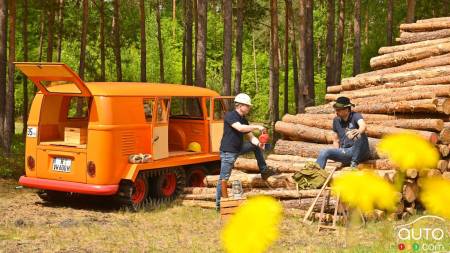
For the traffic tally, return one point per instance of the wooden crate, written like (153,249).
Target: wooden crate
(228,207)
(75,135)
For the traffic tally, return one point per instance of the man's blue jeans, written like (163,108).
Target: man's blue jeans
(227,160)
(348,156)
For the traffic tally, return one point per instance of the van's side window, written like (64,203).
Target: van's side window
(163,107)
(78,108)
(148,109)
(185,107)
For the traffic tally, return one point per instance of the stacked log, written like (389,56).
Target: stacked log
(407,91)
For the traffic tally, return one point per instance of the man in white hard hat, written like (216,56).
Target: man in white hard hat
(232,144)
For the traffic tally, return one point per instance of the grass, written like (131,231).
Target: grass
(12,164)
(30,225)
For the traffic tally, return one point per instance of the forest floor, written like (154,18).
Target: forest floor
(28,224)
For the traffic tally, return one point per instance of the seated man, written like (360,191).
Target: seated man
(350,140)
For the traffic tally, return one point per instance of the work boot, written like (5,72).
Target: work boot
(268,172)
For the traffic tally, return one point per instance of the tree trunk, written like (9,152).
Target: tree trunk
(390,22)
(251,166)
(416,45)
(410,15)
(3,66)
(423,105)
(340,42)
(255,66)
(25,59)
(84,28)
(425,27)
(239,41)
(102,42)
(399,58)
(189,78)
(51,22)
(41,36)
(286,59)
(302,58)
(200,65)
(366,26)
(309,45)
(143,42)
(183,50)
(275,65)
(254,180)
(444,19)
(116,34)
(435,61)
(357,38)
(227,41)
(407,37)
(160,42)
(327,119)
(10,102)
(297,95)
(330,78)
(60,29)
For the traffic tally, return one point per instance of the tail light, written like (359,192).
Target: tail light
(31,163)
(91,169)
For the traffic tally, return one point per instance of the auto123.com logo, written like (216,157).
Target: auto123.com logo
(425,234)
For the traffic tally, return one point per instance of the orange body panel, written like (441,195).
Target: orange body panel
(116,128)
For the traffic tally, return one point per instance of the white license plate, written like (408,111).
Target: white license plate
(62,164)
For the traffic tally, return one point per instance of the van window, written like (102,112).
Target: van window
(78,108)
(163,107)
(185,107)
(148,109)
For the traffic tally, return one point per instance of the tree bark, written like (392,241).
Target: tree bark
(116,35)
(25,59)
(50,26)
(3,65)
(423,105)
(200,66)
(275,65)
(425,27)
(254,180)
(340,42)
(143,41)
(160,42)
(309,45)
(102,41)
(251,166)
(416,45)
(357,38)
(60,29)
(286,59)
(239,41)
(408,37)
(41,35)
(444,135)
(441,19)
(434,61)
(330,77)
(399,58)
(297,96)
(189,66)
(390,22)
(84,28)
(410,16)
(227,41)
(10,102)
(302,58)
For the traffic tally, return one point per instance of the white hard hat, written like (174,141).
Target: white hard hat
(243,98)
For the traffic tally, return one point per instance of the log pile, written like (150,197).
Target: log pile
(407,91)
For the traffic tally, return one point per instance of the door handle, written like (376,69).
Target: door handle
(156,139)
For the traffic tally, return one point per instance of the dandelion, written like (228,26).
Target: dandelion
(365,191)
(254,227)
(409,151)
(435,195)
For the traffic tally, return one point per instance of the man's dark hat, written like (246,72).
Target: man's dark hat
(342,102)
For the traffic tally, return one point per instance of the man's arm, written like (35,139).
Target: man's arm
(246,128)
(362,126)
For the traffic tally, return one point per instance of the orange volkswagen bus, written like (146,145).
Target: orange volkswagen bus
(84,137)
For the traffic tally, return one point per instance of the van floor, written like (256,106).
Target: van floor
(181,152)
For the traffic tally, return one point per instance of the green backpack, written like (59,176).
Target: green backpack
(311,176)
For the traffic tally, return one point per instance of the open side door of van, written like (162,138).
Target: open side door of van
(54,78)
(218,107)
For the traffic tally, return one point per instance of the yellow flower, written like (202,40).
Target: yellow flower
(435,195)
(365,190)
(409,151)
(254,227)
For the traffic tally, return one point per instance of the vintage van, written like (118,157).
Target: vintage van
(82,137)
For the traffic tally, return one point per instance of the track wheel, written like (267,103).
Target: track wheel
(139,192)
(195,176)
(168,184)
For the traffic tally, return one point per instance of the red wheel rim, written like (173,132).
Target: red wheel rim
(196,178)
(139,191)
(169,184)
